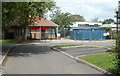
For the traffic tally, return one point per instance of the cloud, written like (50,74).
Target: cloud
(89,8)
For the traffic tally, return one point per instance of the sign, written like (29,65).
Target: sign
(106,34)
(58,35)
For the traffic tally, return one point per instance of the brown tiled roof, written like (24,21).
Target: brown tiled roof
(43,22)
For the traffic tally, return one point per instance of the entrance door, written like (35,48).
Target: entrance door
(9,35)
(42,34)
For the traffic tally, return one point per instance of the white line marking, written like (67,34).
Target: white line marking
(66,53)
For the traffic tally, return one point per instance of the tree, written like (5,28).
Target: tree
(108,21)
(78,18)
(117,54)
(64,20)
(19,12)
(95,19)
(106,28)
(23,13)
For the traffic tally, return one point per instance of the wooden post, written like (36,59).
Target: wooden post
(57,32)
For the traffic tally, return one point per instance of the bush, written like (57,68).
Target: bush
(117,53)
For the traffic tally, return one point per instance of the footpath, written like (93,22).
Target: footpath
(4,50)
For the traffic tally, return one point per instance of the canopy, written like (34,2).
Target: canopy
(37,28)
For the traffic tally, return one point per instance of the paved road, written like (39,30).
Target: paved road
(33,59)
(37,59)
(78,51)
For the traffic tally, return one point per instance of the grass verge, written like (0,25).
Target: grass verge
(15,41)
(60,46)
(104,61)
(66,37)
(112,47)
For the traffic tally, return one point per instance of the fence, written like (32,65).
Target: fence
(87,34)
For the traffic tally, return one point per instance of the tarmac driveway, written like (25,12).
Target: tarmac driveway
(33,59)
(78,51)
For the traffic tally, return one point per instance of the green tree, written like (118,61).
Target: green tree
(106,28)
(78,18)
(64,20)
(19,12)
(108,21)
(117,51)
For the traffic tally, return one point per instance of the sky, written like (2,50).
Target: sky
(102,9)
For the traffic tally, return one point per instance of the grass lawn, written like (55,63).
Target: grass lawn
(59,46)
(112,47)
(66,37)
(15,41)
(104,60)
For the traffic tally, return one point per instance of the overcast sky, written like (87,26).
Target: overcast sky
(101,9)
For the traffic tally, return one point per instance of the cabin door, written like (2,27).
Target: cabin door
(43,34)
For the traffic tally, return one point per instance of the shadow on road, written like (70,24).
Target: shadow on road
(28,50)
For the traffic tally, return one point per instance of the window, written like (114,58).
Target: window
(96,25)
(20,32)
(90,25)
(86,25)
(80,25)
(51,31)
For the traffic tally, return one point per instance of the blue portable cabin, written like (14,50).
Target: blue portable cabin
(87,34)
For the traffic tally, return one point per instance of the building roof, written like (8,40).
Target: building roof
(40,21)
(90,23)
(109,25)
(85,23)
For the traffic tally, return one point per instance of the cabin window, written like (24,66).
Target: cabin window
(20,32)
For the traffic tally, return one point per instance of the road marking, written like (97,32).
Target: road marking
(65,53)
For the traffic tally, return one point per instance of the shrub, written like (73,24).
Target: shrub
(117,53)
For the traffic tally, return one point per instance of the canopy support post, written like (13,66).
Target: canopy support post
(57,32)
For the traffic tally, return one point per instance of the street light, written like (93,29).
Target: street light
(117,11)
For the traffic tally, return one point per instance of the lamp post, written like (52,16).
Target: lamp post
(117,38)
(117,11)
(117,21)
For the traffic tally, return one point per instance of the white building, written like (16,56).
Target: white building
(112,26)
(86,25)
